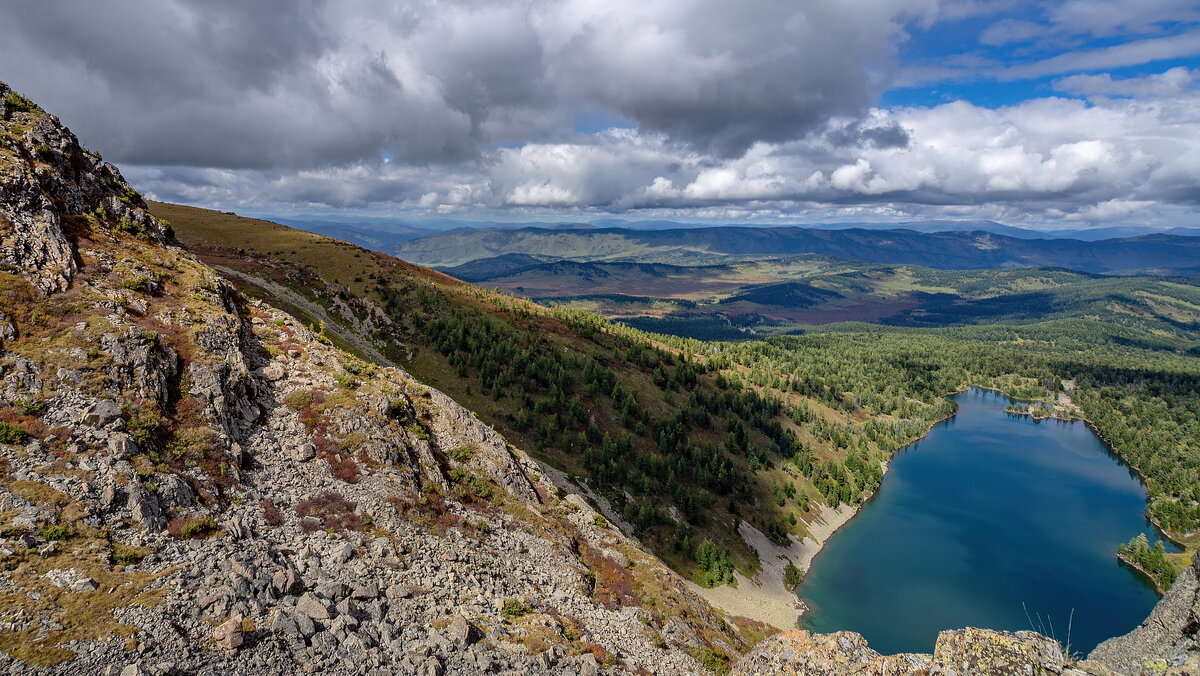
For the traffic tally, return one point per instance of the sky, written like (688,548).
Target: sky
(1067,114)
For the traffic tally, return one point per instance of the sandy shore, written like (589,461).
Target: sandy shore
(764,598)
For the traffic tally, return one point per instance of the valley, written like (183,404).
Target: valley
(771,428)
(525,338)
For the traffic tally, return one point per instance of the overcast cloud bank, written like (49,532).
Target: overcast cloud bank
(695,108)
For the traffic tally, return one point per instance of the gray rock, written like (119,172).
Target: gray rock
(287,582)
(313,607)
(102,413)
(228,635)
(303,451)
(71,579)
(1173,629)
(461,633)
(366,592)
(121,447)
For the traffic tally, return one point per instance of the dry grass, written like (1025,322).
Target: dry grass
(82,615)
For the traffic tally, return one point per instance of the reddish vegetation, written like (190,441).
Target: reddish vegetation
(430,508)
(271,514)
(615,585)
(32,425)
(328,511)
(343,468)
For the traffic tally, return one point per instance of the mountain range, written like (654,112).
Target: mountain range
(1147,254)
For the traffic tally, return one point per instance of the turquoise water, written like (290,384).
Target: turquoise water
(988,511)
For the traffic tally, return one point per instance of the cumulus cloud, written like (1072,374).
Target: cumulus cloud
(757,109)
(1049,159)
(285,84)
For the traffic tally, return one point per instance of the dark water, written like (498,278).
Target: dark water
(988,511)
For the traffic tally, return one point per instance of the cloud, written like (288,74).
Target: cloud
(757,109)
(1173,82)
(316,83)
(1043,160)
(1008,31)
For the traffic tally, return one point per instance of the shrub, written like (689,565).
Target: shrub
(201,525)
(11,531)
(19,103)
(713,660)
(471,483)
(514,608)
(11,434)
(344,469)
(58,532)
(328,511)
(141,284)
(271,514)
(298,399)
(144,426)
(132,227)
(792,576)
(126,555)
(191,444)
(33,407)
(358,368)
(462,453)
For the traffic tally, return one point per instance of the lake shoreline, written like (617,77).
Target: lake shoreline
(942,522)
(1078,416)
(764,598)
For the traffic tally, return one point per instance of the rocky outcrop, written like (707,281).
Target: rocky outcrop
(45,177)
(1167,642)
(976,652)
(191,483)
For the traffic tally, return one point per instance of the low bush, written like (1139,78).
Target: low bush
(328,511)
(190,528)
(271,514)
(58,532)
(11,434)
(514,608)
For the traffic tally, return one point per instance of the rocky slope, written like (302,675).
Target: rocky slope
(195,484)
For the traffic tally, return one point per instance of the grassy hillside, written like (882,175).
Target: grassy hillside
(679,444)
(687,439)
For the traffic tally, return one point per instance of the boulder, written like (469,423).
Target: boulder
(461,633)
(71,579)
(997,653)
(313,607)
(228,634)
(102,413)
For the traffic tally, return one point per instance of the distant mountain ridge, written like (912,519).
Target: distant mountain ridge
(1147,254)
(410,229)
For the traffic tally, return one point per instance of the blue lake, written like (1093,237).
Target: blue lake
(986,512)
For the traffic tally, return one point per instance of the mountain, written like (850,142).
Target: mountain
(938,226)
(192,482)
(1158,254)
(489,268)
(227,470)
